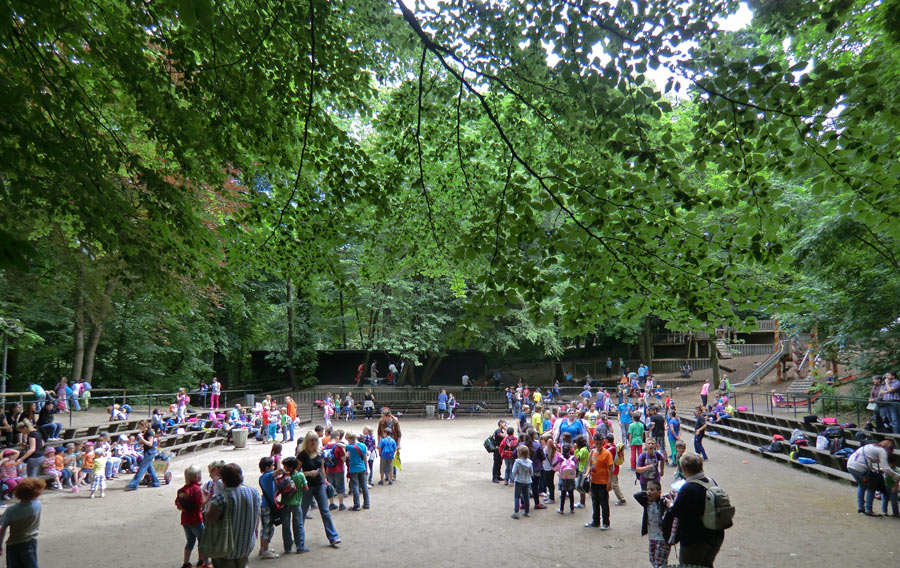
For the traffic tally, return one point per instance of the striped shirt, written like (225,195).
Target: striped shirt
(245,503)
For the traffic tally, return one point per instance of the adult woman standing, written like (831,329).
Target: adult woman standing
(570,425)
(369,404)
(147,441)
(867,466)
(312,466)
(34,451)
(46,425)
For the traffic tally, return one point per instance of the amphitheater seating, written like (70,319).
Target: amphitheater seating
(741,436)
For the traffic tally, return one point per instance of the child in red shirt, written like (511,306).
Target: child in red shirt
(189,501)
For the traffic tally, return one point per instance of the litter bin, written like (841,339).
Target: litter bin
(429,410)
(249,400)
(239,437)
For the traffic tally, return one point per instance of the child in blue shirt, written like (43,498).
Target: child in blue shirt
(386,448)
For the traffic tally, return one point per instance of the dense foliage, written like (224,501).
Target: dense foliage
(184,182)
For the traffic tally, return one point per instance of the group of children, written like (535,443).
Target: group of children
(590,462)
(75,464)
(346,456)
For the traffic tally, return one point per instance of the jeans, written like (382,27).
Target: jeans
(33,466)
(40,401)
(356,480)
(891,412)
(624,427)
(600,503)
(192,535)
(319,495)
(509,465)
(292,522)
(145,467)
(112,466)
(521,496)
(50,430)
(22,555)
(371,463)
(517,409)
(288,429)
(862,492)
(698,447)
(73,403)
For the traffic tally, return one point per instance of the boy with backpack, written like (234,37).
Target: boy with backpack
(334,455)
(508,452)
(290,485)
(651,464)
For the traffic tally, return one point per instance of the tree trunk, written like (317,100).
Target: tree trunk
(343,319)
(78,315)
(714,363)
(292,375)
(98,318)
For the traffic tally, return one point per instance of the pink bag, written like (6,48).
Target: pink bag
(742,409)
(829,420)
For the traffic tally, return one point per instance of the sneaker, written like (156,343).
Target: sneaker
(354,508)
(540,506)
(526,515)
(342,508)
(604,527)
(302,549)
(187,565)
(308,516)
(92,495)
(366,507)
(591,524)
(332,507)
(269,554)
(381,482)
(579,506)
(620,502)
(390,482)
(102,495)
(515,515)
(334,542)
(560,511)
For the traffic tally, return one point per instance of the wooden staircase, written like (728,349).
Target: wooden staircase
(722,348)
(800,386)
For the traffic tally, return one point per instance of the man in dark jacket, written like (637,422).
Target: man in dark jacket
(699,545)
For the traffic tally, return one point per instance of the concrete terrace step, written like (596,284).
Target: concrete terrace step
(816,468)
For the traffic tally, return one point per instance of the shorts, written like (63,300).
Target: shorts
(193,534)
(268,527)
(337,481)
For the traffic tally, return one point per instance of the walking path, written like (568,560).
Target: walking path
(444,511)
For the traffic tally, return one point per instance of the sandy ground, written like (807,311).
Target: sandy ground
(444,511)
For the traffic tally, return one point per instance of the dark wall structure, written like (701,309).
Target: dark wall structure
(340,367)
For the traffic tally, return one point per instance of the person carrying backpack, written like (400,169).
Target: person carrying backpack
(699,543)
(568,471)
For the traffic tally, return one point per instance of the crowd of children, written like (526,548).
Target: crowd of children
(285,488)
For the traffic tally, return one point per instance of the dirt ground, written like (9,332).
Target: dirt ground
(444,511)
